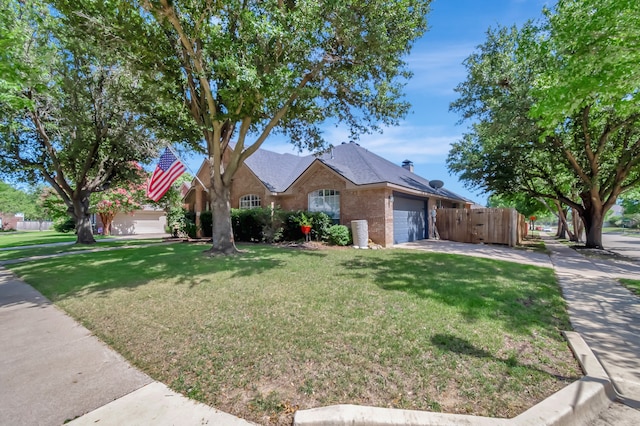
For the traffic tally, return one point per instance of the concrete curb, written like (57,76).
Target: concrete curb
(155,404)
(575,404)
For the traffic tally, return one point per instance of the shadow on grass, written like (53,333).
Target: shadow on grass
(521,296)
(100,272)
(451,343)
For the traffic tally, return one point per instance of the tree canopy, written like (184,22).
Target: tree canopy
(14,200)
(553,113)
(245,69)
(68,116)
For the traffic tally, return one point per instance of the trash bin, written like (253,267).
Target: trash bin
(360,232)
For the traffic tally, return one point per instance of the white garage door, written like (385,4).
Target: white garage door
(139,222)
(409,220)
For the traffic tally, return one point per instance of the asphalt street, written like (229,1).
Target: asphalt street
(624,244)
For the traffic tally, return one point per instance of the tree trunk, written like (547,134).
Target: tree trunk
(84,230)
(593,219)
(562,214)
(106,219)
(561,232)
(578,225)
(223,242)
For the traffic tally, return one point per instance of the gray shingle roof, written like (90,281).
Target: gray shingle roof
(360,166)
(277,171)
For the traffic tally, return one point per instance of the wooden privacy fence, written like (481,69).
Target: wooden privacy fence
(491,226)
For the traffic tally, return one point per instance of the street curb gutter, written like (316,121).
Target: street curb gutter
(575,404)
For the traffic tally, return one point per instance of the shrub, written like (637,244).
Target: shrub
(190,228)
(247,224)
(65,224)
(176,221)
(320,224)
(206,224)
(272,228)
(339,235)
(181,223)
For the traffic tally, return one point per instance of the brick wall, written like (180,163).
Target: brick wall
(371,205)
(246,183)
(316,177)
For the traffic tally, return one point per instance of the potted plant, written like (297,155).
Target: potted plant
(305,223)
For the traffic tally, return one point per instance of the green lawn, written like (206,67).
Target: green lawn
(27,238)
(19,252)
(275,329)
(633,285)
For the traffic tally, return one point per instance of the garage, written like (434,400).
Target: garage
(409,219)
(139,222)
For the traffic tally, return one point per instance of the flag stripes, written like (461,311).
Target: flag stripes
(167,171)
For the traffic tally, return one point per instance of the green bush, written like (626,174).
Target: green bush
(65,224)
(181,223)
(320,223)
(206,224)
(272,228)
(339,235)
(248,224)
(190,228)
(176,221)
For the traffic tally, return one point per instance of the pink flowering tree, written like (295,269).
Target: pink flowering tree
(124,198)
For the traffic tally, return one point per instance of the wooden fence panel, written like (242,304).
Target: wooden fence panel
(491,226)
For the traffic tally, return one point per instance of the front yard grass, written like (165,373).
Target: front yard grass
(25,238)
(275,329)
(18,252)
(633,285)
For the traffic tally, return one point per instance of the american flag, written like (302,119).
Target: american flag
(167,171)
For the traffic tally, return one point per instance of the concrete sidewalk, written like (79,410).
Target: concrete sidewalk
(52,370)
(605,313)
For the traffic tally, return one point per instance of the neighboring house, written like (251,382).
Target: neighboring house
(347,182)
(148,220)
(9,221)
(616,210)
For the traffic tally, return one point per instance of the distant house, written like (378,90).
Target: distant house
(616,210)
(9,221)
(348,183)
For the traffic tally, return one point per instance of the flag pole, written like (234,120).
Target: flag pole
(188,168)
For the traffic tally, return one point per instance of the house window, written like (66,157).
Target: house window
(327,201)
(250,201)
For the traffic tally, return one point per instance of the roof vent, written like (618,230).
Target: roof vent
(408,164)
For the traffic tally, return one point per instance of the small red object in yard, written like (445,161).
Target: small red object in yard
(305,229)
(532,218)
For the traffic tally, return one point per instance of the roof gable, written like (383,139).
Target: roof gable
(363,167)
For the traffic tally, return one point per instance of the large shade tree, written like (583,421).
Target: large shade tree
(66,113)
(246,69)
(555,109)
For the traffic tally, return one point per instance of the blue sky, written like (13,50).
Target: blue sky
(456,27)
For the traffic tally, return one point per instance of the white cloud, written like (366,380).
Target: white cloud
(439,69)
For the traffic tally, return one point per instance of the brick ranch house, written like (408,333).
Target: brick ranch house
(347,182)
